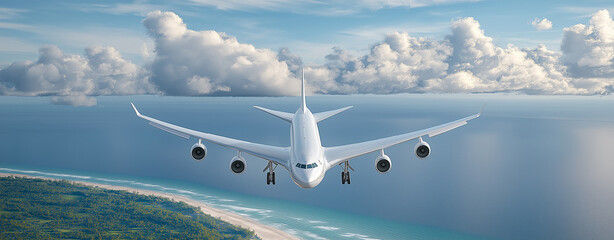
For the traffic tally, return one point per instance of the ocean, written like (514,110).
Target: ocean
(531,167)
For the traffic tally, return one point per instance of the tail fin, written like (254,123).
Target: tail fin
(303,103)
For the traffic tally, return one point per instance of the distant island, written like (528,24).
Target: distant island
(33,208)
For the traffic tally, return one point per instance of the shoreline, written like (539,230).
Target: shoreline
(261,230)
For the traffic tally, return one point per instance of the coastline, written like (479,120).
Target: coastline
(262,231)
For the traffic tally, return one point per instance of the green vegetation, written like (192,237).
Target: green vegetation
(47,209)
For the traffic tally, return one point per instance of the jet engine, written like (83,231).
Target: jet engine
(383,163)
(237,164)
(199,151)
(422,149)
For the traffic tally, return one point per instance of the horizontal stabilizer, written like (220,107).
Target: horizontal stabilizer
(282,115)
(324,115)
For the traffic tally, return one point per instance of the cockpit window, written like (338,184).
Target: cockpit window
(303,166)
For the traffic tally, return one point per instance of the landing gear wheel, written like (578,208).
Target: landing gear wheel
(273,178)
(268,178)
(347,178)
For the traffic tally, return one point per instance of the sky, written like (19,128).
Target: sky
(74,51)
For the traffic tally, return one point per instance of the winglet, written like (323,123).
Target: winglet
(136,111)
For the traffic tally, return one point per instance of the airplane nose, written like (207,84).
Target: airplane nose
(308,178)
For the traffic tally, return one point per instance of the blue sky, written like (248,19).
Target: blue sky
(336,41)
(308,28)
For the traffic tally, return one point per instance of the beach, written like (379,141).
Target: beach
(262,231)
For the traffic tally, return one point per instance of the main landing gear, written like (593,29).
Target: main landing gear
(345,175)
(270,175)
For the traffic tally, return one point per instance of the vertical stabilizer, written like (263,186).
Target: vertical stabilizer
(303,103)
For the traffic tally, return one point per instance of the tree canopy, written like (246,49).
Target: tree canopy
(51,209)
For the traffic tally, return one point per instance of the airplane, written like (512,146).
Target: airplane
(306,159)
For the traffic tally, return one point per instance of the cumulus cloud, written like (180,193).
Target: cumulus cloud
(212,63)
(186,63)
(100,71)
(541,25)
(589,49)
(194,63)
(468,61)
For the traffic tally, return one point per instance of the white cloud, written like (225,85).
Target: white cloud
(365,36)
(469,43)
(589,49)
(128,42)
(468,61)
(542,25)
(193,63)
(71,78)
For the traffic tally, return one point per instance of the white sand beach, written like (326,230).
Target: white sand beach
(263,231)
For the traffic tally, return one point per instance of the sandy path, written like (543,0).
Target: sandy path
(263,231)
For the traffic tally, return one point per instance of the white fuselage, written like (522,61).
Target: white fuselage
(307,163)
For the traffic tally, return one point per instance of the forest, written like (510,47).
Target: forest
(33,208)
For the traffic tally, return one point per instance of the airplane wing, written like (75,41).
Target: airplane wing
(279,155)
(336,155)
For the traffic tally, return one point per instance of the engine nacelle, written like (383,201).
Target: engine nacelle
(237,165)
(383,163)
(199,151)
(422,149)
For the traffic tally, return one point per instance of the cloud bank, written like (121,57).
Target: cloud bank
(73,79)
(467,61)
(197,63)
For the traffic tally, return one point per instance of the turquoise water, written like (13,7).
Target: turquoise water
(303,221)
